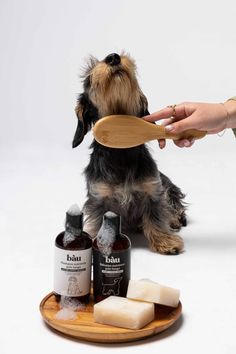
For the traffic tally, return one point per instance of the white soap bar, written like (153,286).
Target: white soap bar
(146,290)
(122,312)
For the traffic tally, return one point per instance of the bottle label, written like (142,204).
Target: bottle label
(111,273)
(72,272)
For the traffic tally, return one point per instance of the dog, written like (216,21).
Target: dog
(125,181)
(113,288)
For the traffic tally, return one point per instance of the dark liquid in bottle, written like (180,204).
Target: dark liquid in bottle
(111,274)
(80,242)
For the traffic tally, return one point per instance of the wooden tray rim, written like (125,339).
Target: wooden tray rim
(100,335)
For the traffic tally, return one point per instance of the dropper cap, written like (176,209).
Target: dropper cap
(113,220)
(74,218)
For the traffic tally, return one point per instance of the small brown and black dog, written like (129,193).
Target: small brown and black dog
(125,181)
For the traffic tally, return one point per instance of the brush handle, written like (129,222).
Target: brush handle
(161,133)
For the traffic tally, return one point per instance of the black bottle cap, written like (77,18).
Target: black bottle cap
(113,220)
(74,218)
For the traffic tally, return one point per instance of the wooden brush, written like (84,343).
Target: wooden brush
(125,131)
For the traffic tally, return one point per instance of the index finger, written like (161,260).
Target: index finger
(162,114)
(167,113)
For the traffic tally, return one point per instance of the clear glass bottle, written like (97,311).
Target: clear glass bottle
(111,259)
(73,256)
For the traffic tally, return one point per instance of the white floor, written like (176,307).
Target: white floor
(38,184)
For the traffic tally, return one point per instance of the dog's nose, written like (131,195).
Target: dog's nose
(112,59)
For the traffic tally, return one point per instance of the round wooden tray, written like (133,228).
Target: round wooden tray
(84,327)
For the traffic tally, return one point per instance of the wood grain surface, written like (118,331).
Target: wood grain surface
(84,327)
(125,131)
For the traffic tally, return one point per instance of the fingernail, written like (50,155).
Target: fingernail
(169,128)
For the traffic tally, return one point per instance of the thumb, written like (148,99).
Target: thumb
(182,125)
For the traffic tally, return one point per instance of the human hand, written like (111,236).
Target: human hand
(210,117)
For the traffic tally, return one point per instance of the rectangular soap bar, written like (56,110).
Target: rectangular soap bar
(122,312)
(147,290)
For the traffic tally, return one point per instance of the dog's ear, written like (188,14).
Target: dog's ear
(143,106)
(86,114)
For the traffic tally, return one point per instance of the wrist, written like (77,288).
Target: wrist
(230,106)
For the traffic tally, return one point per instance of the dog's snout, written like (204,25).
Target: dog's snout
(112,59)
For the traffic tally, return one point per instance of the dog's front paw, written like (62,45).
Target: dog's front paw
(167,244)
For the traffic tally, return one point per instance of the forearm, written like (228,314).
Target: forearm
(231,108)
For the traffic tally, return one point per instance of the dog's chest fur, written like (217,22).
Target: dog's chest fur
(127,193)
(122,179)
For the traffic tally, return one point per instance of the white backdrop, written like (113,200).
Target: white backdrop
(184,50)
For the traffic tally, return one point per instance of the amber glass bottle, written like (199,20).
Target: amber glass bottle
(73,253)
(111,259)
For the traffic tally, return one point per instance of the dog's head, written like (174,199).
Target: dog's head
(110,87)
